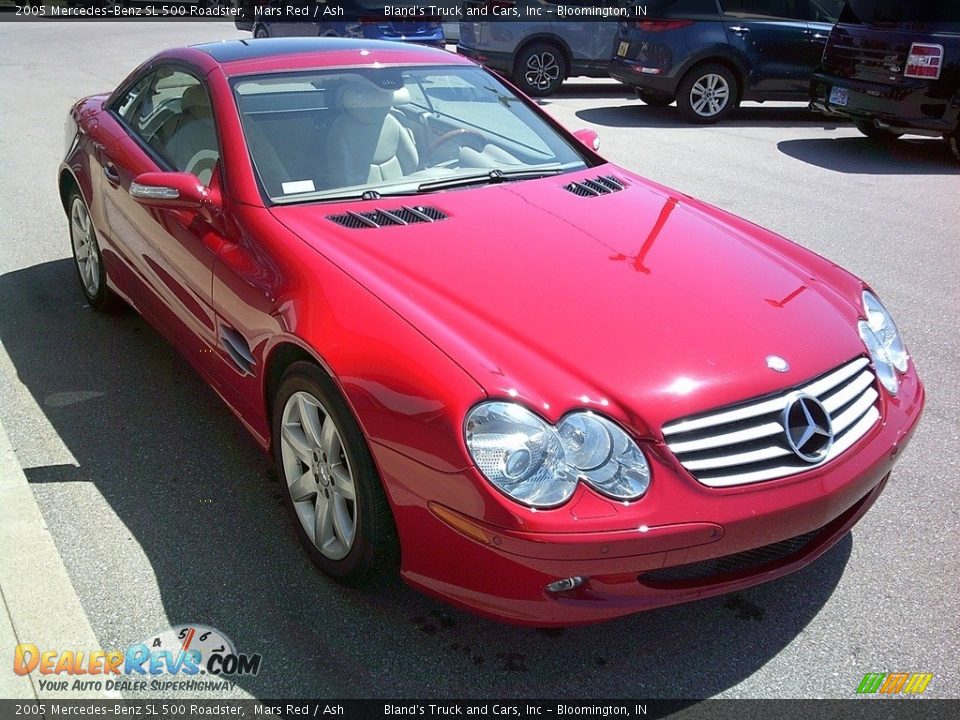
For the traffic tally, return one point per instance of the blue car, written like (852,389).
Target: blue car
(357,25)
(708,55)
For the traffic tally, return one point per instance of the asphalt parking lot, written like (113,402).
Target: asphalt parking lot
(164,511)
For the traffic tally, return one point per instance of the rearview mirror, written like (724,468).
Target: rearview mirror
(589,138)
(178,190)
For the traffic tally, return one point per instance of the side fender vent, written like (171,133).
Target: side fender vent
(601,185)
(406,215)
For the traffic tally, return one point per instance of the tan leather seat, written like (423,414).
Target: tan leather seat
(366,143)
(193,145)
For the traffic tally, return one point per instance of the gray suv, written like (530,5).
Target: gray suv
(538,55)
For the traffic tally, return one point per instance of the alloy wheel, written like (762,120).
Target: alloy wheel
(709,95)
(318,475)
(543,70)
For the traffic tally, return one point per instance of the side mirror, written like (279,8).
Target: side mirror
(175,190)
(589,138)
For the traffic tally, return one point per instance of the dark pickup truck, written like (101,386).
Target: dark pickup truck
(893,66)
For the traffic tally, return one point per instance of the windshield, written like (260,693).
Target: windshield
(371,132)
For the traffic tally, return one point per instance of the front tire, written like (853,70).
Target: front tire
(707,94)
(259,31)
(331,485)
(540,69)
(87,258)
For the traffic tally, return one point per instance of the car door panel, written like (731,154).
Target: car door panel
(774,38)
(169,251)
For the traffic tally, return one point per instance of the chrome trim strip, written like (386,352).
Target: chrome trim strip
(765,430)
(153,192)
(767,453)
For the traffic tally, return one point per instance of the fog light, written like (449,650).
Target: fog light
(566,584)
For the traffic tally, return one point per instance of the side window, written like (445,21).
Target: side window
(175,118)
(127,103)
(767,9)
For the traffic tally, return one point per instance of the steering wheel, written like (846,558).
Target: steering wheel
(428,156)
(202,164)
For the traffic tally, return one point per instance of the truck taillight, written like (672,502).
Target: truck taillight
(924,61)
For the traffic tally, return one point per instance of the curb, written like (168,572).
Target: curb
(39,604)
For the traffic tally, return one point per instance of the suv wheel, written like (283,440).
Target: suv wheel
(875,133)
(707,93)
(658,101)
(540,69)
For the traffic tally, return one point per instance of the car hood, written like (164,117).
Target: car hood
(643,304)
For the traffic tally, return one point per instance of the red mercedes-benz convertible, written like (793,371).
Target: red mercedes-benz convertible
(538,385)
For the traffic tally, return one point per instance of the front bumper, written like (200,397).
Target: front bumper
(451,550)
(909,104)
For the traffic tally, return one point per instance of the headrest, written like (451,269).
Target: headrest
(195,102)
(368,103)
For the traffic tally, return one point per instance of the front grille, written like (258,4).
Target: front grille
(601,185)
(406,215)
(729,564)
(747,443)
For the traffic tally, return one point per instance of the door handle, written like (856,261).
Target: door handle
(740,30)
(820,36)
(111,174)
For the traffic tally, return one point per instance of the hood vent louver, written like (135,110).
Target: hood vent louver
(406,215)
(592,187)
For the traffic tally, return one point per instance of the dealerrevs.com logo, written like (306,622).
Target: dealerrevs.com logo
(899,683)
(183,657)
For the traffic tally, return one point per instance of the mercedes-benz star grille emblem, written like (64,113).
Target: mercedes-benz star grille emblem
(807,425)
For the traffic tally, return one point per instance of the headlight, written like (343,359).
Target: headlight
(538,464)
(883,341)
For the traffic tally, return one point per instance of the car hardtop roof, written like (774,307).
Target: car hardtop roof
(294,53)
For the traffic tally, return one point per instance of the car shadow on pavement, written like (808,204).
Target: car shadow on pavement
(586,90)
(861,155)
(645,116)
(196,495)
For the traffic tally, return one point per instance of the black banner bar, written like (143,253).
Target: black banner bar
(336,11)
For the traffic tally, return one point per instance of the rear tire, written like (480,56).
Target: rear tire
(259,31)
(707,94)
(330,484)
(874,133)
(540,69)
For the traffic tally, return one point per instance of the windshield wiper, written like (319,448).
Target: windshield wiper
(489,178)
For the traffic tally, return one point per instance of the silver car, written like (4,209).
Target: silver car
(538,54)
